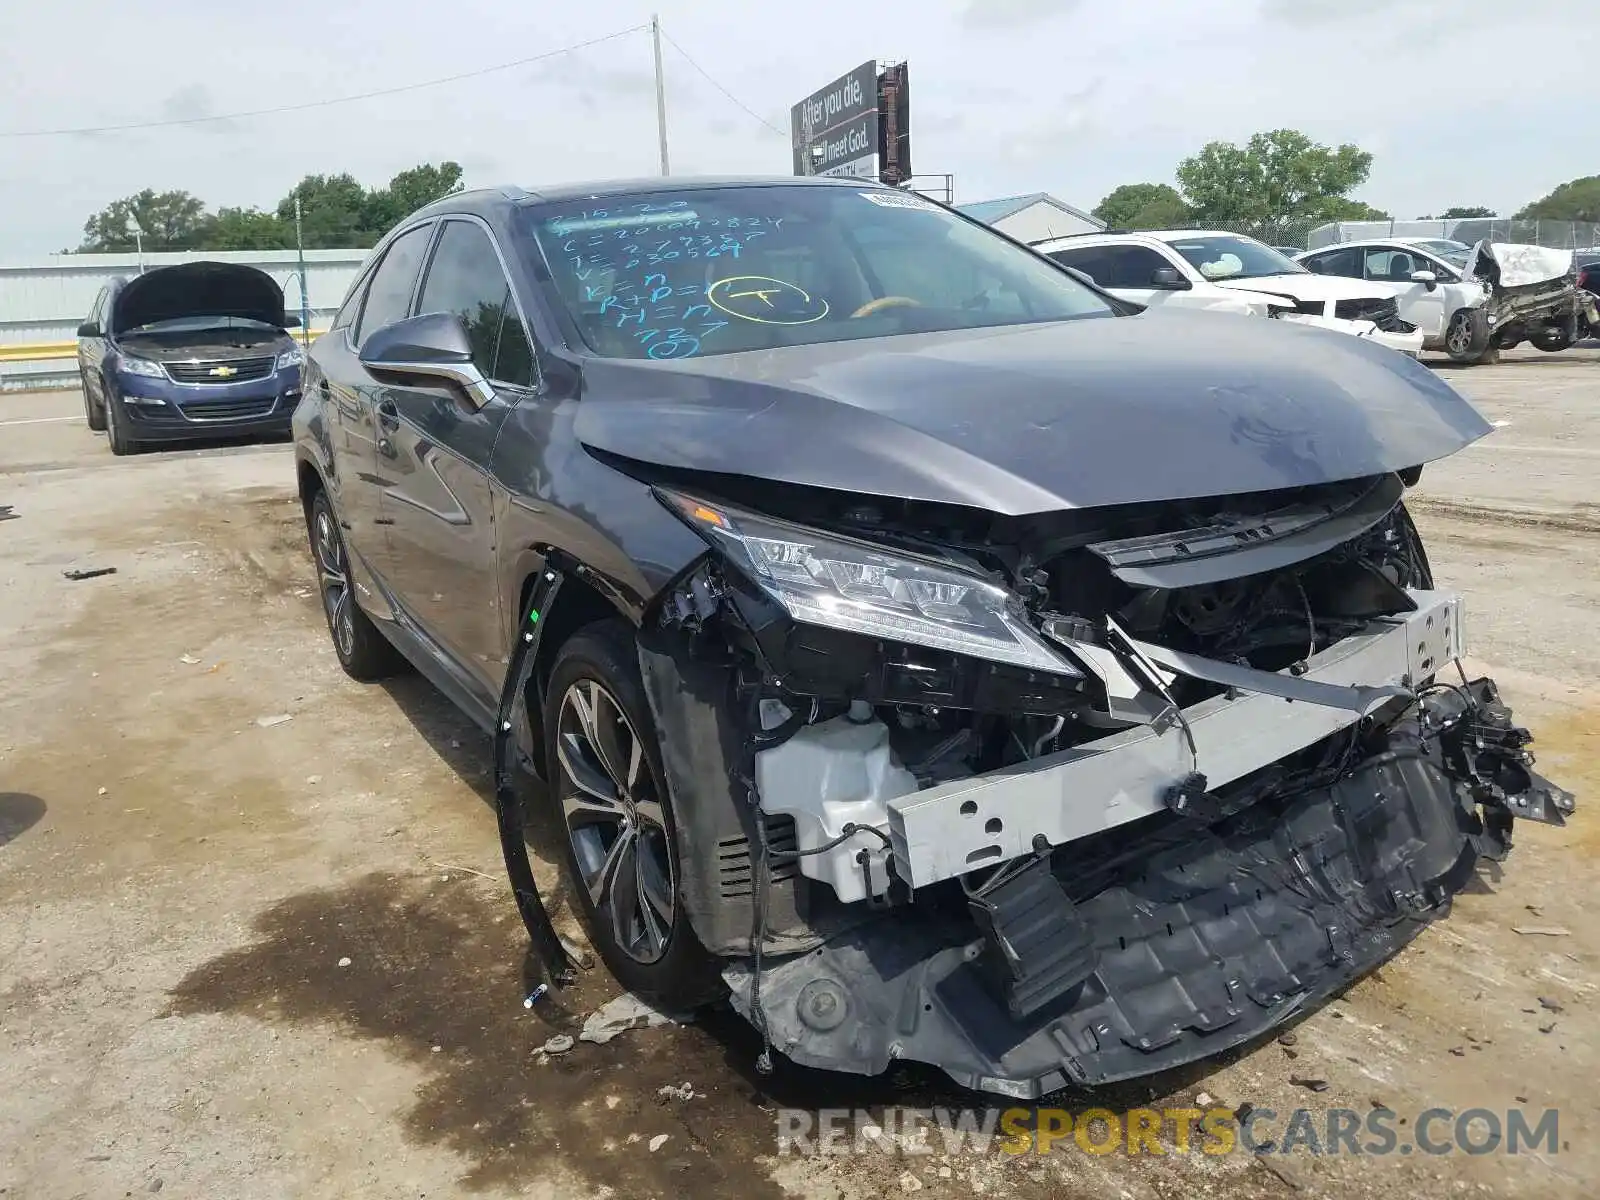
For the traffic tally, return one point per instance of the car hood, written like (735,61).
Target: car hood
(198,289)
(1165,405)
(1305,287)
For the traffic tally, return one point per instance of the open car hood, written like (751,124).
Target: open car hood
(1519,265)
(1169,404)
(198,289)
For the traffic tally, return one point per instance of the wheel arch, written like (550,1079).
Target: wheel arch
(579,604)
(308,480)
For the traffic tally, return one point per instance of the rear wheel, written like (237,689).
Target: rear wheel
(94,413)
(617,818)
(1556,337)
(364,653)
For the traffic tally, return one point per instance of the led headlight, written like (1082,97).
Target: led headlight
(140,366)
(826,579)
(290,358)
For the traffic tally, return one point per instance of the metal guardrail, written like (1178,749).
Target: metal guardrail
(50,351)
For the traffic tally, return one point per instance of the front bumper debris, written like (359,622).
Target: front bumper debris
(1203,938)
(943,832)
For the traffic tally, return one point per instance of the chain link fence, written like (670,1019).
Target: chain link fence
(1557,235)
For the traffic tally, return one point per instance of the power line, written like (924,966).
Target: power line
(287,108)
(740,103)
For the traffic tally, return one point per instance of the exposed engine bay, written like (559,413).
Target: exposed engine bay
(1074,796)
(1531,295)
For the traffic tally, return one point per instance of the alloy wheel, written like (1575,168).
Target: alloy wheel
(615,820)
(1459,337)
(333,568)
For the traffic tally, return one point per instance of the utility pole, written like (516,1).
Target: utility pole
(300,255)
(661,94)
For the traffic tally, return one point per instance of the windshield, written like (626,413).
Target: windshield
(1454,253)
(675,274)
(1230,256)
(195,324)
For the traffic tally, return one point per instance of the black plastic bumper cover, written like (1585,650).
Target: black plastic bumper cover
(1223,933)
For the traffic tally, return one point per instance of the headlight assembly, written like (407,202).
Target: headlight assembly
(140,366)
(290,358)
(838,582)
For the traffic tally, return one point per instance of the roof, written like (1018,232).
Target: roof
(478,199)
(990,211)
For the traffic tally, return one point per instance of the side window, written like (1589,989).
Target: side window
(1132,266)
(1392,264)
(97,310)
(389,293)
(1093,261)
(1336,262)
(346,316)
(465,278)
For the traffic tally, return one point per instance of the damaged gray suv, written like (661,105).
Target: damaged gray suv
(925,652)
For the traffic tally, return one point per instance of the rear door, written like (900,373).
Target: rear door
(349,395)
(434,446)
(92,350)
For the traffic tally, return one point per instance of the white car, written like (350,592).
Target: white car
(1423,275)
(1228,272)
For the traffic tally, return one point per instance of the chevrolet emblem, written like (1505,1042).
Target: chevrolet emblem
(223,372)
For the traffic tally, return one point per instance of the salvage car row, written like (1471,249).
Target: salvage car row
(928,650)
(1407,294)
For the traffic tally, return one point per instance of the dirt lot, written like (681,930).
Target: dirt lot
(182,878)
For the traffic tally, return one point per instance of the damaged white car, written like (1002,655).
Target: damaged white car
(923,651)
(1470,301)
(1228,272)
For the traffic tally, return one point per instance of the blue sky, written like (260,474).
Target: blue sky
(1460,101)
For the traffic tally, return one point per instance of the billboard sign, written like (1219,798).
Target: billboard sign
(835,130)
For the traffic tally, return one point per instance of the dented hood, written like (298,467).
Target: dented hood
(1165,405)
(198,289)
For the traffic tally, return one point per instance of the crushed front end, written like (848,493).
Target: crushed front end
(1075,797)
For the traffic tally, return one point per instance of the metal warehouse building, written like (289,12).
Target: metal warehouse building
(1033,217)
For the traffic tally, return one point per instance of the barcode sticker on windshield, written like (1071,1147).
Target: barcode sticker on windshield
(898,200)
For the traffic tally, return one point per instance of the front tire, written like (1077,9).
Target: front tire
(364,653)
(617,820)
(1466,337)
(122,442)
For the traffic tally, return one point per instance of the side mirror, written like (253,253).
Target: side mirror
(1425,277)
(89,329)
(291,321)
(433,346)
(1168,279)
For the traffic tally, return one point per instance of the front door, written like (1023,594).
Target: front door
(434,446)
(1391,268)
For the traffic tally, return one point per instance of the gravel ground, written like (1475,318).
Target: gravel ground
(243,956)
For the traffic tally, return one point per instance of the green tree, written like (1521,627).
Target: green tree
(1337,208)
(166,221)
(1277,176)
(408,191)
(246,229)
(333,211)
(1458,213)
(1143,206)
(1575,200)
